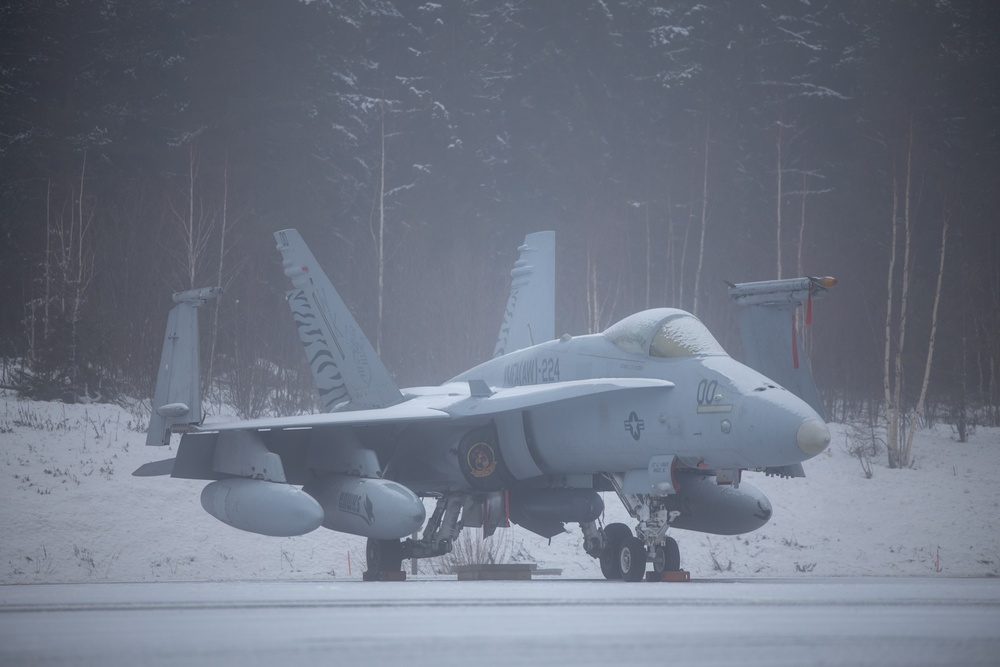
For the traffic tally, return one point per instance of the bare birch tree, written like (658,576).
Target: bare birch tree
(780,170)
(593,302)
(891,407)
(900,421)
(897,458)
(681,273)
(227,271)
(379,236)
(649,257)
(800,264)
(600,309)
(68,269)
(704,221)
(194,223)
(908,444)
(671,273)
(81,268)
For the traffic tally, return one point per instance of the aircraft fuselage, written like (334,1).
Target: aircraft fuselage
(718,414)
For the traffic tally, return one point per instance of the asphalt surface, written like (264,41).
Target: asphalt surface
(441,622)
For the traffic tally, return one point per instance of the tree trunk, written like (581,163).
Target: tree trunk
(800,264)
(908,446)
(778,207)
(899,457)
(904,298)
(890,407)
(195,224)
(223,227)
(649,259)
(704,217)
(380,237)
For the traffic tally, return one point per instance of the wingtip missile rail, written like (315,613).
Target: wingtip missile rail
(788,290)
(199,296)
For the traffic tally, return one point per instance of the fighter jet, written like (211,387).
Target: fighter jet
(653,410)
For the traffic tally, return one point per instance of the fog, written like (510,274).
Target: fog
(155,147)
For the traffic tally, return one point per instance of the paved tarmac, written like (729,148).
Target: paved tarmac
(442,622)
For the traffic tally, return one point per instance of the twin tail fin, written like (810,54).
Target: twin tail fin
(348,373)
(769,324)
(177,397)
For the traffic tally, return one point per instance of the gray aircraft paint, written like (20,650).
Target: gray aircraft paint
(177,397)
(652,407)
(529,317)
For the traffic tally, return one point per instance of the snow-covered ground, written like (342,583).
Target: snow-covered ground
(71,511)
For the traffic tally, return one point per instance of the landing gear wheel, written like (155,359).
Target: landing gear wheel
(632,559)
(667,557)
(609,567)
(384,555)
(615,534)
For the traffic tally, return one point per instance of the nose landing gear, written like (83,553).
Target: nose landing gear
(623,555)
(666,556)
(632,559)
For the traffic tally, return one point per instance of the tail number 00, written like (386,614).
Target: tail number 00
(706,391)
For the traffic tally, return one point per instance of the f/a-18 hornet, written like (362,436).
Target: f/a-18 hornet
(652,409)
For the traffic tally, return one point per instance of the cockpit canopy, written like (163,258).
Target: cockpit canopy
(665,333)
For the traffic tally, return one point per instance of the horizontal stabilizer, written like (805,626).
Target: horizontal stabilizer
(155,468)
(794,470)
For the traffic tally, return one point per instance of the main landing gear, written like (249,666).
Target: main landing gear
(386,556)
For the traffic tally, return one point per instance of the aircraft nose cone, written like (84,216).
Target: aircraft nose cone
(813,436)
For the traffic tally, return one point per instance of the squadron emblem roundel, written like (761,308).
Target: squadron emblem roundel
(481,459)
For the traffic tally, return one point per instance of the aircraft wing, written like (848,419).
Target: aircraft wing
(529,396)
(448,406)
(401,413)
(203,449)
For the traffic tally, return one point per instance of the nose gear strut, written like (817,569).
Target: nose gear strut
(623,555)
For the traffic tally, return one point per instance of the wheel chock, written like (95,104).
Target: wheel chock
(494,572)
(678,575)
(384,576)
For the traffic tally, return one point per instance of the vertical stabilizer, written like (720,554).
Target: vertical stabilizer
(530,315)
(768,327)
(343,362)
(177,398)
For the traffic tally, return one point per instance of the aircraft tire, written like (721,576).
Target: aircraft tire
(632,559)
(384,555)
(609,567)
(667,557)
(615,534)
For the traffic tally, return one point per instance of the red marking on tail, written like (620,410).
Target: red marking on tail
(795,344)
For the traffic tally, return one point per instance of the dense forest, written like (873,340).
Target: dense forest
(148,147)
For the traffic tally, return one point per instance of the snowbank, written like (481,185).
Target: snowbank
(71,511)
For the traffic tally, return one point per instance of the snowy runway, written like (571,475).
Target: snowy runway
(848,621)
